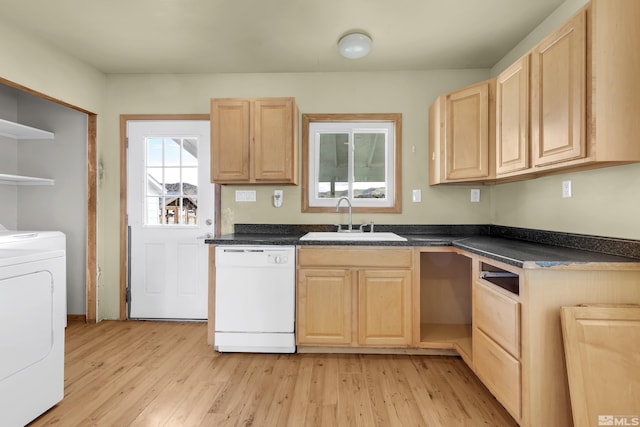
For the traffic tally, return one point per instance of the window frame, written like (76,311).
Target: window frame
(308,159)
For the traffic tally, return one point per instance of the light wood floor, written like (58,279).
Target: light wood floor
(164,374)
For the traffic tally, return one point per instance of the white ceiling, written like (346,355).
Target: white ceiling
(212,36)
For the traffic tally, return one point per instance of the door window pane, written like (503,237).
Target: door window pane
(171,190)
(154,151)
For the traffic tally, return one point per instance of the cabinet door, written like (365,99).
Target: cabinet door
(275,140)
(558,95)
(324,306)
(467,133)
(230,134)
(384,307)
(512,118)
(602,344)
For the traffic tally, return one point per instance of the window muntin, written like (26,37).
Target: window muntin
(171,187)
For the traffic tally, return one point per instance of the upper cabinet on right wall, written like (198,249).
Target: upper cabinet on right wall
(512,119)
(578,106)
(586,91)
(558,95)
(461,139)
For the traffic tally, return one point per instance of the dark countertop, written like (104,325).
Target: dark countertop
(519,253)
(477,240)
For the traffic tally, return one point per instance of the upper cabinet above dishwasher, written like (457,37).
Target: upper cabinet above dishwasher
(254,141)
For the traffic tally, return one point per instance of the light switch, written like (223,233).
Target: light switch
(245,195)
(475,195)
(417,196)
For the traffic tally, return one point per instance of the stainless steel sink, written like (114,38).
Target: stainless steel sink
(328,236)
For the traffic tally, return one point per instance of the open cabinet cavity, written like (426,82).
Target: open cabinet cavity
(445,302)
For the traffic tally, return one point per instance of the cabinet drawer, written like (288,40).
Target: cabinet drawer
(499,371)
(498,316)
(337,256)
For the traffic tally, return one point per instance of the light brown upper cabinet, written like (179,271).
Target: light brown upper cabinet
(512,118)
(559,93)
(254,141)
(461,136)
(584,90)
(571,103)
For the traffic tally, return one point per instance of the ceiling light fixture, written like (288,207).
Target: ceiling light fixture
(354,45)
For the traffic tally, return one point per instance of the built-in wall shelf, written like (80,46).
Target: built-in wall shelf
(6,179)
(17,131)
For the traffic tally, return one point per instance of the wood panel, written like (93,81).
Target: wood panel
(361,257)
(230,139)
(275,157)
(324,306)
(468,114)
(499,370)
(602,349)
(498,316)
(512,118)
(164,373)
(436,143)
(558,94)
(545,396)
(384,308)
(615,43)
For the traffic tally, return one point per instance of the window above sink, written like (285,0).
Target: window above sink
(351,155)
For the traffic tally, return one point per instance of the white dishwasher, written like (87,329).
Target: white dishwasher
(255,299)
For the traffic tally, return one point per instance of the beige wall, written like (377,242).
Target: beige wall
(605,202)
(45,69)
(409,93)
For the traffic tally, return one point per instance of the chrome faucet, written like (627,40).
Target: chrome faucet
(338,210)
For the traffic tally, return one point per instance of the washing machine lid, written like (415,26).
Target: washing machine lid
(19,247)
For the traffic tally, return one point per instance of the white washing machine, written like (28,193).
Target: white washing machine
(32,322)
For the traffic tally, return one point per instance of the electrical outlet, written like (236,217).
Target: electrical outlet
(277,198)
(566,189)
(417,196)
(475,195)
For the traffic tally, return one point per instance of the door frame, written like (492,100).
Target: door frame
(124,240)
(91,263)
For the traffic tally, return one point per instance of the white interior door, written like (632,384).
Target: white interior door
(170,210)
